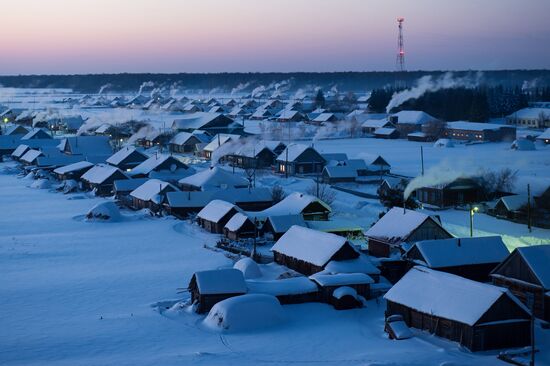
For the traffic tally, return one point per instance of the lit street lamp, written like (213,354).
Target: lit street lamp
(473,210)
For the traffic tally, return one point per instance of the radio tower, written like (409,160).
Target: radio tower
(400,62)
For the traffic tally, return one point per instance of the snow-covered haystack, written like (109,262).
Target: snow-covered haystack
(249,268)
(444,143)
(523,145)
(245,313)
(107,211)
(41,184)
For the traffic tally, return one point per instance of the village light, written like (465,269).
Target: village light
(6,119)
(473,211)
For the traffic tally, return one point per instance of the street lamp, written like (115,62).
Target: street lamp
(473,210)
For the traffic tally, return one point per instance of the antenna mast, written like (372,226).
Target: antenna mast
(400,61)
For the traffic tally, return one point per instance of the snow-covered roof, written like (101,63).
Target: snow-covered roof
(233,195)
(413,117)
(294,152)
(341,279)
(545,135)
(446,295)
(37,133)
(219,140)
(361,264)
(462,251)
(220,281)
(236,222)
(31,155)
(473,126)
(81,145)
(151,190)
(282,287)
(384,131)
(128,185)
(16,129)
(288,114)
(344,291)
(248,267)
(396,225)
(374,123)
(196,121)
(99,173)
(514,202)
(181,138)
(281,224)
(293,204)
(73,167)
(20,151)
(214,178)
(324,117)
(538,259)
(531,113)
(122,154)
(341,171)
(309,245)
(215,210)
(155,161)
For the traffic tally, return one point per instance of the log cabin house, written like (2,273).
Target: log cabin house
(215,215)
(127,159)
(240,226)
(299,159)
(207,288)
(101,179)
(150,194)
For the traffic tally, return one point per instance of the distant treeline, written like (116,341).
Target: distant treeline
(477,104)
(344,81)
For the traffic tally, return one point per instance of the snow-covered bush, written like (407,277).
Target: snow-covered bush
(245,313)
(107,211)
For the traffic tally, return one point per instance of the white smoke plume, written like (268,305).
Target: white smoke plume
(103,87)
(258,91)
(529,85)
(239,88)
(225,149)
(216,90)
(429,84)
(147,84)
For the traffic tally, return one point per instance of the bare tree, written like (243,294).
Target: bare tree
(493,182)
(277,193)
(323,192)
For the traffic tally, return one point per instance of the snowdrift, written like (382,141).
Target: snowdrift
(444,143)
(249,268)
(245,313)
(107,211)
(41,184)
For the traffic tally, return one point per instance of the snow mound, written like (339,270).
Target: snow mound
(107,211)
(29,176)
(245,313)
(344,291)
(523,145)
(69,186)
(249,268)
(444,143)
(41,184)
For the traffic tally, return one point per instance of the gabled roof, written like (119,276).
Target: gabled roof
(282,223)
(214,178)
(462,251)
(84,145)
(31,155)
(215,210)
(236,222)
(151,190)
(74,167)
(311,246)
(128,185)
(220,281)
(197,120)
(545,135)
(374,123)
(397,225)
(531,113)
(20,151)
(99,173)
(413,117)
(294,152)
(37,133)
(154,162)
(474,126)
(194,199)
(16,130)
(446,295)
(537,258)
(219,140)
(514,202)
(182,137)
(122,154)
(324,117)
(293,204)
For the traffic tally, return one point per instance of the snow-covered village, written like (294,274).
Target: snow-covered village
(213,214)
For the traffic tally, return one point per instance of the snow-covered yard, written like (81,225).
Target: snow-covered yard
(81,292)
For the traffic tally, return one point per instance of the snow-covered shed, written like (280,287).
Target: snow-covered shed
(73,171)
(215,215)
(299,159)
(479,316)
(127,158)
(545,136)
(472,258)
(210,287)
(240,226)
(310,207)
(399,226)
(410,121)
(308,251)
(213,178)
(151,194)
(101,178)
(458,192)
(526,272)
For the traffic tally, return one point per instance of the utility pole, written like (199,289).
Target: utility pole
(529,207)
(422,158)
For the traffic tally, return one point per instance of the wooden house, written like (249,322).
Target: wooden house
(478,316)
(401,226)
(308,251)
(122,188)
(86,145)
(386,133)
(186,142)
(368,126)
(207,288)
(309,207)
(162,166)
(215,215)
(476,131)
(300,159)
(101,179)
(213,123)
(127,158)
(511,207)
(72,171)
(472,258)
(287,115)
(410,121)
(258,155)
(16,130)
(213,178)
(240,226)
(151,194)
(458,192)
(276,226)
(216,142)
(526,272)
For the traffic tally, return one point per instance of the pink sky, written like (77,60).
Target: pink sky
(94,36)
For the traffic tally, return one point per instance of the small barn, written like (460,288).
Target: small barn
(300,159)
(101,179)
(478,316)
(472,258)
(151,194)
(207,288)
(72,171)
(127,158)
(308,251)
(398,226)
(526,272)
(215,215)
(240,226)
(458,192)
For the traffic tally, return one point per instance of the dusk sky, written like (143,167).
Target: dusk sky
(107,36)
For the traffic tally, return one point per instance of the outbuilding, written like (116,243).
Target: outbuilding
(207,288)
(215,215)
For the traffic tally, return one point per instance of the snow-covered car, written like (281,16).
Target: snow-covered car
(397,328)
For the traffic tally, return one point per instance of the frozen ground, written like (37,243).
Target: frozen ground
(77,292)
